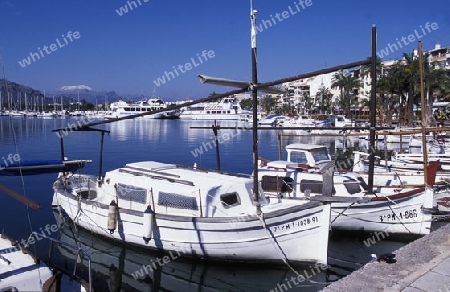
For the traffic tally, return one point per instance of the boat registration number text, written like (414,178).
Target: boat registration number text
(408,214)
(296,224)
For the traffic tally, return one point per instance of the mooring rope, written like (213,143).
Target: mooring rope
(281,252)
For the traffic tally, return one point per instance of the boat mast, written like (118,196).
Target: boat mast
(423,110)
(373,108)
(255,108)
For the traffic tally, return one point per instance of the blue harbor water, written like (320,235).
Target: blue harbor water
(170,141)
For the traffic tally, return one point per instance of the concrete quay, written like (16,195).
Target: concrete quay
(422,265)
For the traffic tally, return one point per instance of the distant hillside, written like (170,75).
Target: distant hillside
(83,92)
(19,95)
(15,88)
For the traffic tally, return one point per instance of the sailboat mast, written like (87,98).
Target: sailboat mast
(255,109)
(373,108)
(423,110)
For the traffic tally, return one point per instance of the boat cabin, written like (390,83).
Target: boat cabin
(175,190)
(309,154)
(301,173)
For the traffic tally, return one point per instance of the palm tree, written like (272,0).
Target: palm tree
(306,102)
(437,85)
(324,99)
(388,99)
(405,77)
(367,69)
(347,84)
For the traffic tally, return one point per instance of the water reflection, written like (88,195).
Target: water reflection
(117,267)
(169,142)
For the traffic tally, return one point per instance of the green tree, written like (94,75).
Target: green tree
(347,84)
(268,103)
(246,103)
(437,86)
(323,97)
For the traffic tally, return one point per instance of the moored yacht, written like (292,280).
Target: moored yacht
(227,108)
(121,109)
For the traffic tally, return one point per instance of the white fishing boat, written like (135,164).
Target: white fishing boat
(353,208)
(408,165)
(20,270)
(402,176)
(194,212)
(335,124)
(227,108)
(275,120)
(122,109)
(404,172)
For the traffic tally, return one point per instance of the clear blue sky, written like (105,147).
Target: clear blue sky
(127,53)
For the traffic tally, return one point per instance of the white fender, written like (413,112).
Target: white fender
(112,216)
(149,217)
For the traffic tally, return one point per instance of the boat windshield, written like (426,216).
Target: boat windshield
(298,157)
(320,154)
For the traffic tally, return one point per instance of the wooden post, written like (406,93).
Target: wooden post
(424,118)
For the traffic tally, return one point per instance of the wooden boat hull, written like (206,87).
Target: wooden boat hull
(400,214)
(297,232)
(351,208)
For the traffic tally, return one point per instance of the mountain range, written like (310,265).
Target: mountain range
(21,94)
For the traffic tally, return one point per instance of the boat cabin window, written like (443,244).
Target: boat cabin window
(177,201)
(352,186)
(131,193)
(230,200)
(277,184)
(88,194)
(320,154)
(299,157)
(314,185)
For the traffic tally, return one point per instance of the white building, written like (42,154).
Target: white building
(439,58)
(311,86)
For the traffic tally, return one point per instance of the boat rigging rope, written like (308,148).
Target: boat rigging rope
(14,136)
(341,213)
(390,207)
(281,252)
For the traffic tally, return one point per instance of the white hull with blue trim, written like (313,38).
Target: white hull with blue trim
(194,212)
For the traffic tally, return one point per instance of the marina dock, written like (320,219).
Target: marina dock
(422,265)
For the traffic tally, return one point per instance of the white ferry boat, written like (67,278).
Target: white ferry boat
(121,109)
(227,108)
